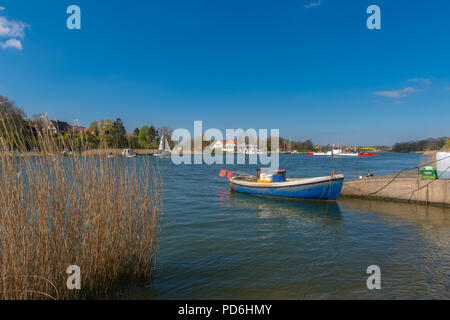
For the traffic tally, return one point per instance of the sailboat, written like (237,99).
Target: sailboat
(164,148)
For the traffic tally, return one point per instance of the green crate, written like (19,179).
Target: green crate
(428,174)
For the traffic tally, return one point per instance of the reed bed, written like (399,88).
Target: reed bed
(93,212)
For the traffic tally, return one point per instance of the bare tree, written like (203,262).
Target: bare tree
(9,107)
(165,132)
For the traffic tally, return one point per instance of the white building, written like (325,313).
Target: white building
(241,148)
(230,146)
(227,146)
(218,145)
(252,148)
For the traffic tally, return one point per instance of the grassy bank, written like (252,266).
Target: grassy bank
(96,213)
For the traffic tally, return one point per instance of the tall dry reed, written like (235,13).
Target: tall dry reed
(96,213)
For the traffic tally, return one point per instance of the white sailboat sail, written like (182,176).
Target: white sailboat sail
(167,149)
(161,145)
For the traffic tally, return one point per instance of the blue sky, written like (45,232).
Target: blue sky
(313,71)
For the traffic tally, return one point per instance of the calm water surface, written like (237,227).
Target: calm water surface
(215,244)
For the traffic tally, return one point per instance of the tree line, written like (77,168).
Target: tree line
(112,134)
(100,134)
(420,145)
(106,133)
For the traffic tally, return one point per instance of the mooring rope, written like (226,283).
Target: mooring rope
(412,192)
(318,242)
(398,174)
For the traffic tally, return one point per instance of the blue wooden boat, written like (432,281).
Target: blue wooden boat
(319,188)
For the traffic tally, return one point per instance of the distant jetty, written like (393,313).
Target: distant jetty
(406,187)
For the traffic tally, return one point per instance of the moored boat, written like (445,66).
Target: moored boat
(318,188)
(129,153)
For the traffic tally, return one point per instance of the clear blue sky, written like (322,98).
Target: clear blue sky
(312,71)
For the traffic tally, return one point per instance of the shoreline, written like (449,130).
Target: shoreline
(143,152)
(407,187)
(116,152)
(431,152)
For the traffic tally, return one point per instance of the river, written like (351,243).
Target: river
(215,244)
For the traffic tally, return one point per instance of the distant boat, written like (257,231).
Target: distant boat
(67,153)
(319,153)
(163,149)
(129,153)
(337,152)
(329,154)
(367,154)
(319,188)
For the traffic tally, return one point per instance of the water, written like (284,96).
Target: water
(215,244)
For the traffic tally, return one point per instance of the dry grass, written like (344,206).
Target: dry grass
(97,213)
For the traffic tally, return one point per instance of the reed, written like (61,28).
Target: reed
(96,213)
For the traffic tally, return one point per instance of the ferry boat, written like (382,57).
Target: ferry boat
(338,152)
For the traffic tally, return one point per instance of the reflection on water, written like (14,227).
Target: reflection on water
(433,222)
(392,211)
(426,253)
(276,208)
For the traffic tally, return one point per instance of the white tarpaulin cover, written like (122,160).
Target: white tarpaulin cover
(443,165)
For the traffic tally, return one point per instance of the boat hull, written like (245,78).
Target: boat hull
(324,188)
(161,155)
(367,155)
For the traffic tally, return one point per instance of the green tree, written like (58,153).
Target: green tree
(154,135)
(308,145)
(119,134)
(106,132)
(144,137)
(93,125)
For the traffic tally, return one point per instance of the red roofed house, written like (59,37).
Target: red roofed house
(225,145)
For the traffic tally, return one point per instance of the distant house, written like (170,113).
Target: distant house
(218,145)
(247,148)
(78,129)
(56,126)
(230,145)
(224,145)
